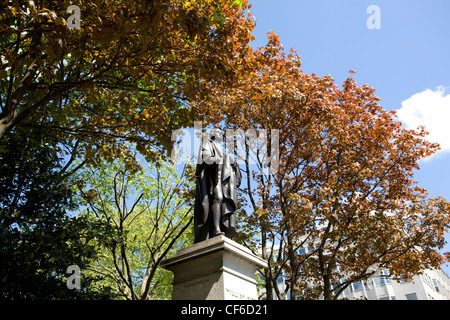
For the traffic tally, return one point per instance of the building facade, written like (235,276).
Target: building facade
(429,285)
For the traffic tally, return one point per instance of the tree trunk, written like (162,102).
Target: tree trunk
(293,264)
(4,126)
(13,98)
(267,271)
(326,287)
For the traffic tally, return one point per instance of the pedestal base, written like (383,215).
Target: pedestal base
(215,269)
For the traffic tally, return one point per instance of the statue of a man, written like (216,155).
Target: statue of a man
(218,177)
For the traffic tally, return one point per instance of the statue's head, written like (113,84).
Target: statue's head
(216,134)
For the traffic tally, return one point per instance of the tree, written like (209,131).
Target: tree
(358,202)
(124,76)
(271,90)
(344,185)
(39,238)
(147,214)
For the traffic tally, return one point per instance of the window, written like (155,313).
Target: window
(357,285)
(366,286)
(411,296)
(436,287)
(379,281)
(385,276)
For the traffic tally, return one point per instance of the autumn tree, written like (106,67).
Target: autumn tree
(358,202)
(126,74)
(269,79)
(147,216)
(344,184)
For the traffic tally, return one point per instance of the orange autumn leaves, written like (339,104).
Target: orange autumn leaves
(345,181)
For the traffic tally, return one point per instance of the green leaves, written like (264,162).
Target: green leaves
(146,215)
(38,237)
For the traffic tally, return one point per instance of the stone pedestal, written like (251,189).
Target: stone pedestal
(215,269)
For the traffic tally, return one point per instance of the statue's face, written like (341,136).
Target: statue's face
(216,134)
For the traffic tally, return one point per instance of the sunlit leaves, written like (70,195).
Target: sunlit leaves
(146,215)
(126,74)
(345,184)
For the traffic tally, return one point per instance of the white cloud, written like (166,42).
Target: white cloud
(432,110)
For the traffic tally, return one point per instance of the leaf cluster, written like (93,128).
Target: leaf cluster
(345,182)
(147,216)
(125,76)
(39,237)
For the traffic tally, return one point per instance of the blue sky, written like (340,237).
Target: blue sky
(407,60)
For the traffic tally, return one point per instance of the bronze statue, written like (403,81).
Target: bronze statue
(218,177)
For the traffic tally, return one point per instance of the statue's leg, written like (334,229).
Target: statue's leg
(217,204)
(201,213)
(217,216)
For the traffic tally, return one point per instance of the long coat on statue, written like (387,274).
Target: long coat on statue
(215,170)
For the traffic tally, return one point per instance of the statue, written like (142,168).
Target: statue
(218,177)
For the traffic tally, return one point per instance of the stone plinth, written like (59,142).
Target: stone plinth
(215,269)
